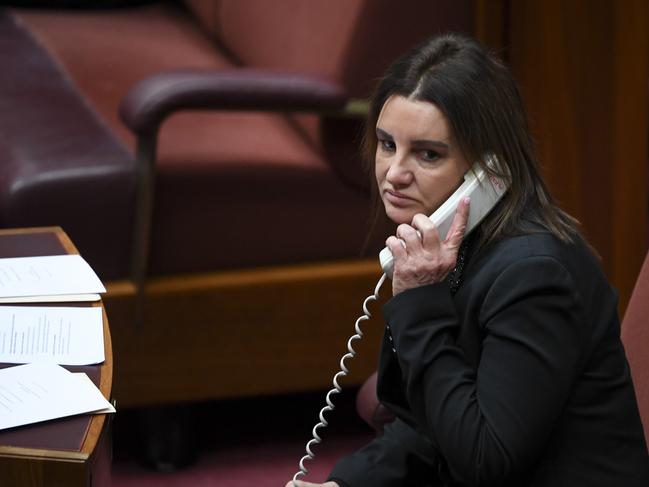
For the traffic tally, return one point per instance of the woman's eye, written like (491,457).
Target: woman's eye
(430,155)
(387,145)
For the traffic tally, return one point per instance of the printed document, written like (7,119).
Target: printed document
(40,391)
(48,275)
(60,335)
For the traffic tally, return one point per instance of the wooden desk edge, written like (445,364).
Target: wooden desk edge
(43,454)
(105,386)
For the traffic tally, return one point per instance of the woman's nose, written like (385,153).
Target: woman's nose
(398,173)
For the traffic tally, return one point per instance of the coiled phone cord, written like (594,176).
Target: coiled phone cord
(337,389)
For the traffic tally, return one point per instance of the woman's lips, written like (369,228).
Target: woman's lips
(397,199)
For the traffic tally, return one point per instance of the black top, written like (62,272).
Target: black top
(518,379)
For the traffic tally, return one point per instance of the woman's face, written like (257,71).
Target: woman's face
(418,164)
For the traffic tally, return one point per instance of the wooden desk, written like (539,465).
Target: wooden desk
(66,452)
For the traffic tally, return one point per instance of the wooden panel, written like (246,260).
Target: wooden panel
(39,471)
(235,334)
(630,223)
(491,25)
(582,68)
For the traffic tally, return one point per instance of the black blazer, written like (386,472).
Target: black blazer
(519,379)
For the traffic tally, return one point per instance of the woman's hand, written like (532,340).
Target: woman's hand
(421,259)
(300,483)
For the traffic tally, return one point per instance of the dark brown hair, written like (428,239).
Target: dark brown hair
(481,102)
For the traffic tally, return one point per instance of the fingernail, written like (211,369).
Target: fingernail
(467,200)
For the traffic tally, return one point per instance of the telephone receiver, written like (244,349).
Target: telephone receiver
(484,190)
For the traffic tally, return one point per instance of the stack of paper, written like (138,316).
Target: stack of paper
(45,337)
(50,278)
(42,391)
(66,336)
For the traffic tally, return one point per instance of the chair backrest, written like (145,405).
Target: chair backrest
(635,335)
(348,41)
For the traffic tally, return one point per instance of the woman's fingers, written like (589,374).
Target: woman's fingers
(410,237)
(397,247)
(407,239)
(458,226)
(428,232)
(423,233)
(420,257)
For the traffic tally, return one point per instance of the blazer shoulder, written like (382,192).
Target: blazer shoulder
(540,248)
(514,249)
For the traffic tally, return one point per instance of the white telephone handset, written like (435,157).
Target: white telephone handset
(485,191)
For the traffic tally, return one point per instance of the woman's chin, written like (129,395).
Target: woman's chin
(400,215)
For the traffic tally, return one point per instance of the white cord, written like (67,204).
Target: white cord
(336,389)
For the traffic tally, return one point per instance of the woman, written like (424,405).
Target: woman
(501,357)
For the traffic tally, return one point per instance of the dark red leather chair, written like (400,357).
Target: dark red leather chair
(635,336)
(203,155)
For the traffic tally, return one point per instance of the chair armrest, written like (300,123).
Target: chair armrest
(152,99)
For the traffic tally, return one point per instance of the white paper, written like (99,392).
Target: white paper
(40,391)
(58,298)
(60,335)
(48,275)
(86,382)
